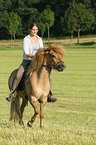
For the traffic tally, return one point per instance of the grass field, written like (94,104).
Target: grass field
(69,121)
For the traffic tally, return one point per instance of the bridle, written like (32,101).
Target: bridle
(53,64)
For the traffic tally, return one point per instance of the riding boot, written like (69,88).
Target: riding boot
(12,96)
(51,98)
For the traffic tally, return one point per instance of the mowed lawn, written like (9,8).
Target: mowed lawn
(69,121)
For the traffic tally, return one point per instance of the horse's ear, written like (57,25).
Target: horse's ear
(51,48)
(47,50)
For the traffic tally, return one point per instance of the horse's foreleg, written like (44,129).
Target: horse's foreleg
(36,111)
(24,104)
(42,111)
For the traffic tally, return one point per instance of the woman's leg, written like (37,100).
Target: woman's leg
(18,77)
(50,97)
(17,80)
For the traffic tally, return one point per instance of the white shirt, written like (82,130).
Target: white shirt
(28,46)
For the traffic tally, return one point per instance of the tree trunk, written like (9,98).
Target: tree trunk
(78,35)
(14,39)
(48,35)
(71,38)
(11,41)
(42,34)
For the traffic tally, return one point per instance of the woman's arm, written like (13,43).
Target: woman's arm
(30,55)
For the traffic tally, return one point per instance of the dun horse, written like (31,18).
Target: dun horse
(37,86)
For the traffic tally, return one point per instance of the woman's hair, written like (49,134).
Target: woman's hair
(31,25)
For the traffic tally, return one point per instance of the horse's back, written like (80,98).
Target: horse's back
(11,77)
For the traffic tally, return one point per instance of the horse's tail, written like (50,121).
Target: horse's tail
(16,102)
(13,109)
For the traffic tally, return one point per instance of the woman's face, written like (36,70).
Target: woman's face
(33,31)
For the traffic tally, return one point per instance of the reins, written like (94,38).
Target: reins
(47,66)
(56,64)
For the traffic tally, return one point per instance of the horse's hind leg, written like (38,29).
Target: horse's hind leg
(36,111)
(24,104)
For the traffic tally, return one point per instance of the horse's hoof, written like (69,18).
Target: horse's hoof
(29,124)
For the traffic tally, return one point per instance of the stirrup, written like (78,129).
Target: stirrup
(12,96)
(10,99)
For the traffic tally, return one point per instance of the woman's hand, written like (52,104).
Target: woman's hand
(30,55)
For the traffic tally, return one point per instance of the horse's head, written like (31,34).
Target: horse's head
(54,54)
(48,57)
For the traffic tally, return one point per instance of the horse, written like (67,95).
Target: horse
(37,84)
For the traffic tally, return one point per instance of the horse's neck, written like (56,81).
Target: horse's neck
(43,73)
(40,76)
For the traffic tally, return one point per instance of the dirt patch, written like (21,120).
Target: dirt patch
(58,42)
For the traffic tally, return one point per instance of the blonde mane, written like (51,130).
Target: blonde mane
(57,49)
(39,56)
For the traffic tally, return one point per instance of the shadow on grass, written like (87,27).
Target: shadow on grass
(84,45)
(87,43)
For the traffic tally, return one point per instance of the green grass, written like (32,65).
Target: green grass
(69,121)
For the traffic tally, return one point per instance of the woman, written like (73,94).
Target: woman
(31,44)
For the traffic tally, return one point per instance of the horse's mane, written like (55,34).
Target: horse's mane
(39,56)
(57,49)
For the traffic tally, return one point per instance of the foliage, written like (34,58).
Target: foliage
(30,11)
(41,25)
(28,15)
(47,19)
(84,17)
(87,3)
(5,4)
(3,19)
(13,22)
(78,18)
(69,19)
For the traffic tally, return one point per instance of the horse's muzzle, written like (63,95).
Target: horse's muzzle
(60,67)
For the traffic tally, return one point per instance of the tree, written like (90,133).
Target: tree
(69,21)
(3,18)
(78,18)
(5,4)
(4,7)
(29,11)
(13,22)
(47,19)
(84,18)
(41,25)
(87,3)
